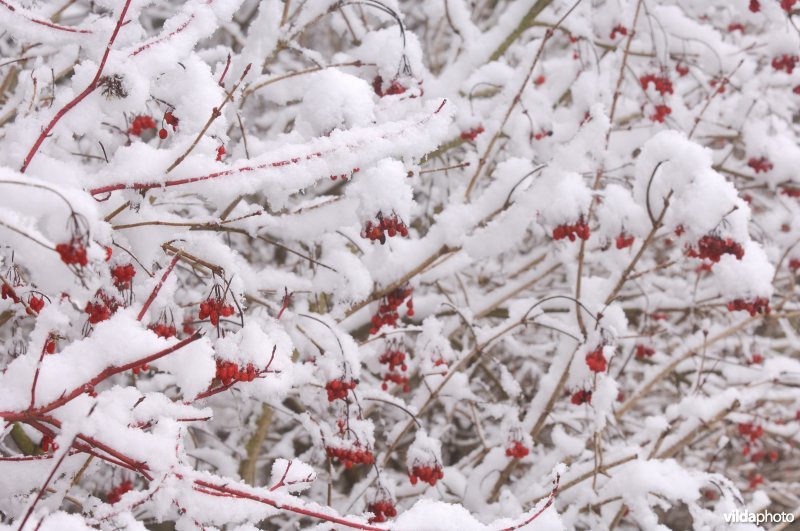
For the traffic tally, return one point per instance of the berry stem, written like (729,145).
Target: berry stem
(157,288)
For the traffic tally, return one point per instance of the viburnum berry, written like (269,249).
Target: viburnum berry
(542,134)
(787,5)
(681,69)
(101,308)
(50,344)
(9,293)
(735,26)
(48,444)
(220,153)
(382,510)
(580,397)
(755,6)
(643,351)
(214,308)
(711,247)
(162,329)
(756,480)
(759,305)
(756,359)
(394,88)
(472,134)
(425,473)
(338,389)
(171,119)
(162,133)
(35,304)
(623,240)
(122,275)
(229,372)
(596,360)
(619,28)
(115,494)
(578,229)
(141,368)
(785,62)
(384,226)
(662,83)
(796,89)
(794,264)
(661,113)
(351,456)
(760,165)
(394,358)
(73,252)
(140,124)
(387,311)
(790,191)
(517,450)
(540,80)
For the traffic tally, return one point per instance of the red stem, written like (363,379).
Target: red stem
(36,374)
(227,65)
(43,22)
(154,293)
(12,416)
(277,164)
(75,101)
(299,510)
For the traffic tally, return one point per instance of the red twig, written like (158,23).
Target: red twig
(162,39)
(223,489)
(538,513)
(235,171)
(36,374)
(225,71)
(106,373)
(77,99)
(154,293)
(41,490)
(42,22)
(287,297)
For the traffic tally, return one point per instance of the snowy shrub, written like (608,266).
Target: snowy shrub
(398,264)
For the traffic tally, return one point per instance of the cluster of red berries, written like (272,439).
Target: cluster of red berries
(228,372)
(517,450)
(164,330)
(141,368)
(394,88)
(661,113)
(115,494)
(381,509)
(790,191)
(759,456)
(214,308)
(349,457)
(623,241)
(387,311)
(787,5)
(785,62)
(428,474)
(102,308)
(344,176)
(171,120)
(756,306)
(384,226)
(73,253)
(338,389)
(760,165)
(579,229)
(472,134)
(662,83)
(9,293)
(580,397)
(48,444)
(619,28)
(596,360)
(394,358)
(750,431)
(140,124)
(712,248)
(643,351)
(122,275)
(35,304)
